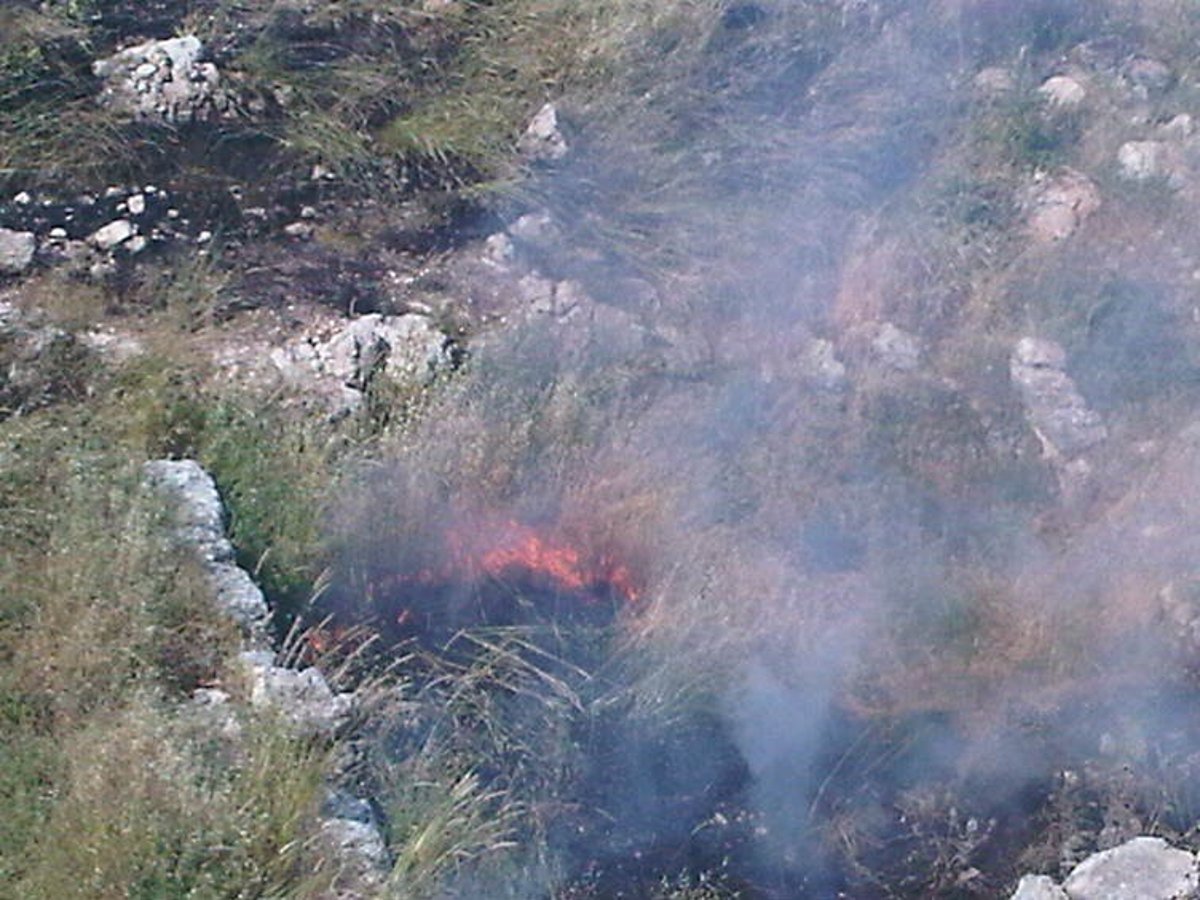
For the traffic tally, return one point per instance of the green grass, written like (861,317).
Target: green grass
(51,128)
(109,788)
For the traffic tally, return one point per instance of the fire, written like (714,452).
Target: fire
(509,546)
(493,552)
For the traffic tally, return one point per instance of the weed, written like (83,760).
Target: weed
(112,789)
(273,473)
(145,811)
(50,126)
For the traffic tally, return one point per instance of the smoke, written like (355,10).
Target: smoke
(850,559)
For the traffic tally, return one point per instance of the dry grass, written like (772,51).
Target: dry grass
(112,787)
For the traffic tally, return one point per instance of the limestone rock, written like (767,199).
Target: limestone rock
(498,250)
(352,827)
(1056,410)
(1147,160)
(356,839)
(820,365)
(1038,887)
(1146,868)
(16,251)
(1058,205)
(896,348)
(112,235)
(543,140)
(302,696)
(1063,91)
(165,81)
(409,346)
(199,523)
(994,81)
(535,231)
(340,364)
(1148,76)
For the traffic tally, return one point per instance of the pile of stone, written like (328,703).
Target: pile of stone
(163,81)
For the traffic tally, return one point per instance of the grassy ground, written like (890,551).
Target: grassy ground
(110,790)
(686,124)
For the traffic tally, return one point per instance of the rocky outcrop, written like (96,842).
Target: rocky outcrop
(1055,409)
(895,348)
(339,361)
(166,81)
(543,140)
(1149,161)
(199,523)
(302,697)
(16,251)
(1058,205)
(820,366)
(39,363)
(1063,91)
(1145,868)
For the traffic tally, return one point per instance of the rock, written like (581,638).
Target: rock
(16,251)
(338,365)
(1178,128)
(357,839)
(1056,411)
(994,82)
(1148,76)
(23,198)
(896,349)
(1146,160)
(498,250)
(299,230)
(409,346)
(38,363)
(536,230)
(543,140)
(537,293)
(199,524)
(136,204)
(820,365)
(164,81)
(1038,887)
(351,829)
(302,696)
(1145,868)
(113,234)
(1063,91)
(1059,205)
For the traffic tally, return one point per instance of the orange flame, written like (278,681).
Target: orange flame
(509,546)
(497,548)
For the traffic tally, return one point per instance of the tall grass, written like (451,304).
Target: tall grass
(112,786)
